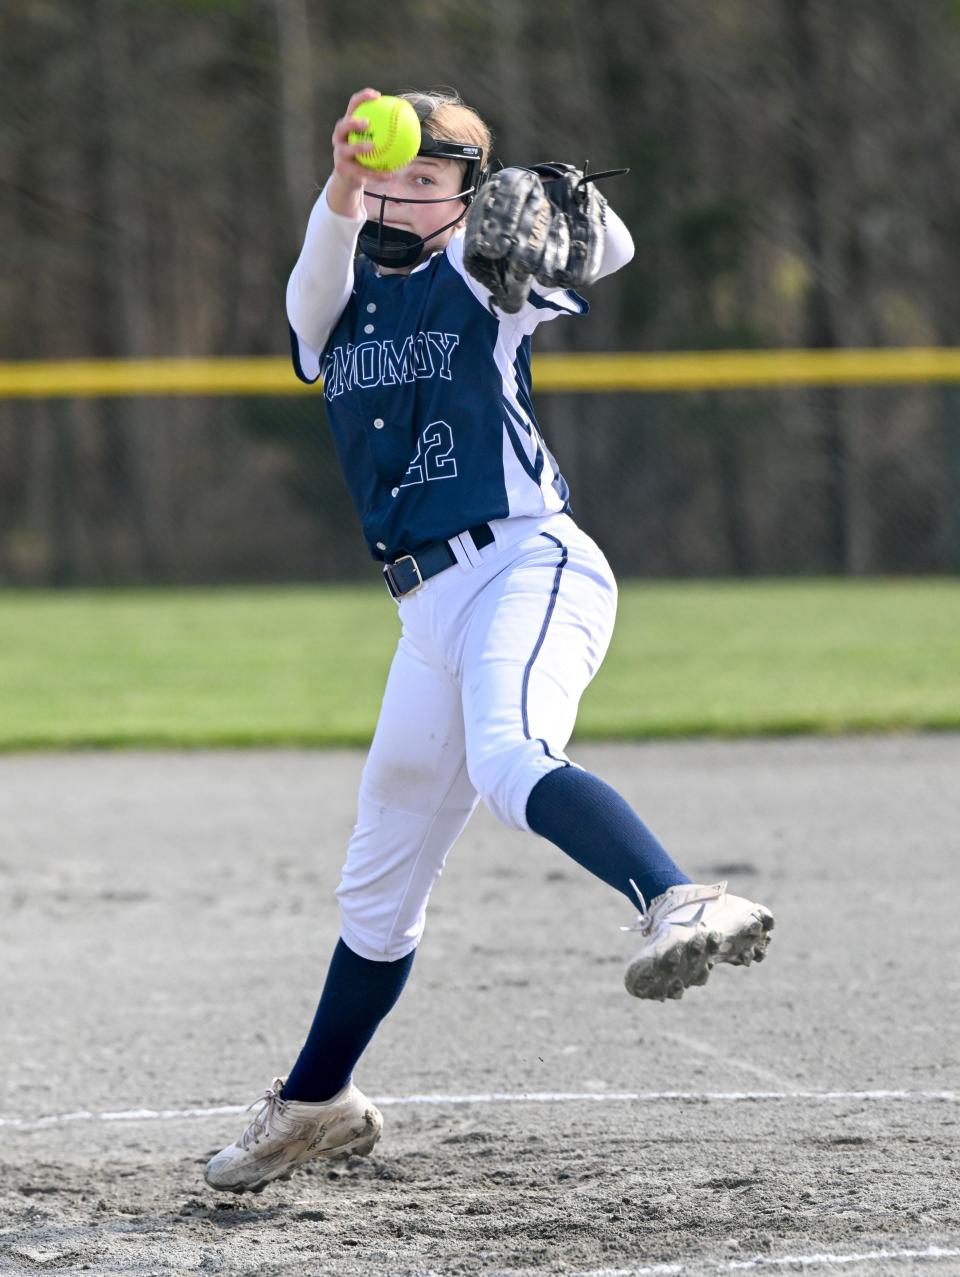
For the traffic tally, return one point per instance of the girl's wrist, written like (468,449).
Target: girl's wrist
(343,197)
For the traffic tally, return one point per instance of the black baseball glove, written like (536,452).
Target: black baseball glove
(506,234)
(546,223)
(582,211)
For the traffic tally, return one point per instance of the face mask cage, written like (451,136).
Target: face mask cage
(391,246)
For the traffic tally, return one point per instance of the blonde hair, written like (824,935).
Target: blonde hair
(444,114)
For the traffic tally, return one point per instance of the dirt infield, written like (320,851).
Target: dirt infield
(166,925)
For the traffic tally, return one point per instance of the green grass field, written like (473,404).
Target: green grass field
(305,666)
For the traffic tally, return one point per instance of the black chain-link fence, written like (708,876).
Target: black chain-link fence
(229,489)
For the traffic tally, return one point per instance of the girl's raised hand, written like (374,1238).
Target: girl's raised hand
(346,166)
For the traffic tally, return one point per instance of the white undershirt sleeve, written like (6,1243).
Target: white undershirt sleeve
(618,249)
(617,246)
(322,280)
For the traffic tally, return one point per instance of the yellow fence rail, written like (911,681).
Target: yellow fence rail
(686,370)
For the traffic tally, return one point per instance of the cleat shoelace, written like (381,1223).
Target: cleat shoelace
(651,917)
(272,1102)
(644,920)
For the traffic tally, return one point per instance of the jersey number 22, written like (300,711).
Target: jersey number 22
(433,458)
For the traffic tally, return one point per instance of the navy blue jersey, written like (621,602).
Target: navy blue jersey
(428,397)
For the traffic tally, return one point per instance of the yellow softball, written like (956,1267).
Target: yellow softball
(393,127)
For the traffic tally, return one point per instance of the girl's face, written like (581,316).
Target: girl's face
(423,178)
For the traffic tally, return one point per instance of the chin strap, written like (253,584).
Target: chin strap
(390,246)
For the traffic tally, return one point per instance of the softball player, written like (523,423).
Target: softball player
(507,607)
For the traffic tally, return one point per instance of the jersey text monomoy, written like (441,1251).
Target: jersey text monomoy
(383,363)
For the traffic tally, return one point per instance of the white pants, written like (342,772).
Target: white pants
(480,702)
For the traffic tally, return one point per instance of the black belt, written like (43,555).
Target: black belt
(406,574)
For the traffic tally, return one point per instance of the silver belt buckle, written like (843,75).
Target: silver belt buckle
(408,558)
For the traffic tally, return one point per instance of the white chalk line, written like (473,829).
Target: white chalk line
(764,1261)
(509,1097)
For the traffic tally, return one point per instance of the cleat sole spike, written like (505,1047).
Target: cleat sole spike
(679,952)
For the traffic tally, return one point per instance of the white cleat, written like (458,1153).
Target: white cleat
(285,1133)
(688,929)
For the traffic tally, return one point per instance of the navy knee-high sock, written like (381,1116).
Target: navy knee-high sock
(357,994)
(589,820)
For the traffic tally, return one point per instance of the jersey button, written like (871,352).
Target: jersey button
(378,423)
(394,492)
(371,307)
(381,545)
(368,328)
